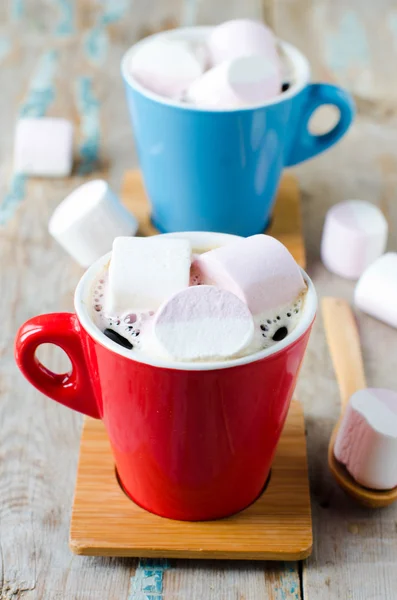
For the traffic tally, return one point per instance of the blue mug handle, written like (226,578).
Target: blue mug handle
(307,145)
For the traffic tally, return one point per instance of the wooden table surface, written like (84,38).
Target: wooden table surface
(60,57)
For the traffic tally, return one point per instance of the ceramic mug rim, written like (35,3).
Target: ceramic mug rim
(300,62)
(204,240)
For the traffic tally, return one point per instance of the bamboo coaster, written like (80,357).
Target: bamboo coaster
(105,522)
(286,223)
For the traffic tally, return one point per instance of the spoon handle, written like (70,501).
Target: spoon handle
(344,344)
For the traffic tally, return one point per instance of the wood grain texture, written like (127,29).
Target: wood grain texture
(105,522)
(344,343)
(286,223)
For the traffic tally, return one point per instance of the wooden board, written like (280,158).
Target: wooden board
(286,223)
(105,522)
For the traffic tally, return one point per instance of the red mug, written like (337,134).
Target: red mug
(191,441)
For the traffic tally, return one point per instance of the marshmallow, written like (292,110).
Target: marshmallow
(376,290)
(241,82)
(354,235)
(242,37)
(43,147)
(87,221)
(366,442)
(143,272)
(167,67)
(258,269)
(203,323)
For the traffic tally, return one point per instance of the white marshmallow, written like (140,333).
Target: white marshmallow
(376,290)
(354,235)
(242,37)
(88,220)
(143,272)
(43,147)
(203,323)
(245,81)
(366,442)
(167,67)
(258,269)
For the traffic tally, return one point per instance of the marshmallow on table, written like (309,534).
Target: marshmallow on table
(43,147)
(242,37)
(241,82)
(376,290)
(366,442)
(143,272)
(258,269)
(354,235)
(203,323)
(167,67)
(87,221)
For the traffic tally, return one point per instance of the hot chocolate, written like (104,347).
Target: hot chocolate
(252,297)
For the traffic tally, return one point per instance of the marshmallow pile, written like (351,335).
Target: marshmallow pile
(237,65)
(353,244)
(159,297)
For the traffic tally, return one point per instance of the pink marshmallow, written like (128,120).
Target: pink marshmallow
(203,323)
(242,37)
(258,269)
(354,235)
(366,442)
(241,82)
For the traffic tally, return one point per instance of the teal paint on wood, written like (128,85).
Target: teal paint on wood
(347,48)
(40,95)
(41,92)
(13,198)
(148,581)
(115,10)
(392,25)
(89,109)
(96,44)
(65,26)
(17,9)
(5,47)
(96,41)
(189,12)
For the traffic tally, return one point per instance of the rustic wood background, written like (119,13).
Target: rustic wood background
(61,57)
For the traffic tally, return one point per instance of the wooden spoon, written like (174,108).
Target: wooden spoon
(344,344)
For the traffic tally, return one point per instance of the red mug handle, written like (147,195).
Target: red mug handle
(71,389)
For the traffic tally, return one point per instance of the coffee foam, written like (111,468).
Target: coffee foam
(137,326)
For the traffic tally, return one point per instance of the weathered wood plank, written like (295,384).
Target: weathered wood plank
(355,550)
(351,43)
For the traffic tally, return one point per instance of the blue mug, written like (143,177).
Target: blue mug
(219,170)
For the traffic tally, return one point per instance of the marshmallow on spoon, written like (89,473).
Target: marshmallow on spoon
(242,37)
(241,82)
(258,269)
(376,290)
(366,442)
(354,235)
(43,147)
(203,323)
(86,222)
(167,67)
(143,272)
